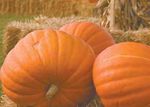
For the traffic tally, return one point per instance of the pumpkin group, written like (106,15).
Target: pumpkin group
(47,69)
(97,37)
(122,75)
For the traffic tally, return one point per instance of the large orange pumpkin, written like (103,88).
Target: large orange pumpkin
(97,37)
(122,75)
(48,68)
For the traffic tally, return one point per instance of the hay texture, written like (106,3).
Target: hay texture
(47,7)
(124,14)
(16,30)
(142,36)
(6,102)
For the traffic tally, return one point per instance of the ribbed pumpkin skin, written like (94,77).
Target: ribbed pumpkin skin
(46,57)
(122,75)
(97,37)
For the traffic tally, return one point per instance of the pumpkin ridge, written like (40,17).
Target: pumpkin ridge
(53,36)
(128,96)
(77,24)
(35,46)
(101,30)
(123,79)
(139,88)
(71,55)
(77,70)
(120,78)
(84,31)
(104,42)
(73,49)
(119,66)
(68,99)
(25,73)
(5,76)
(74,85)
(21,66)
(135,73)
(23,96)
(17,83)
(103,45)
(90,38)
(126,56)
(129,77)
(58,53)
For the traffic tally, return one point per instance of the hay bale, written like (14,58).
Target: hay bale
(16,30)
(142,36)
(52,8)
(11,39)
(117,34)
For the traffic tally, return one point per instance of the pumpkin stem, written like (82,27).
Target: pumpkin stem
(51,91)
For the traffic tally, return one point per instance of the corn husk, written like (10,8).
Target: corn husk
(124,14)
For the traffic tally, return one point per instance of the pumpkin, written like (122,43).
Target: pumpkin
(122,76)
(48,68)
(97,37)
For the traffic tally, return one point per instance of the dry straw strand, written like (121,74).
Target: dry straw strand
(10,39)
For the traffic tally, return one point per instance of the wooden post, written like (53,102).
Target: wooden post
(112,15)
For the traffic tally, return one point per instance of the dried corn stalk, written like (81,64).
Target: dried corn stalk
(102,11)
(124,14)
(142,9)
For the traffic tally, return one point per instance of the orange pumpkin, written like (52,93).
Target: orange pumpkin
(97,37)
(48,68)
(122,76)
